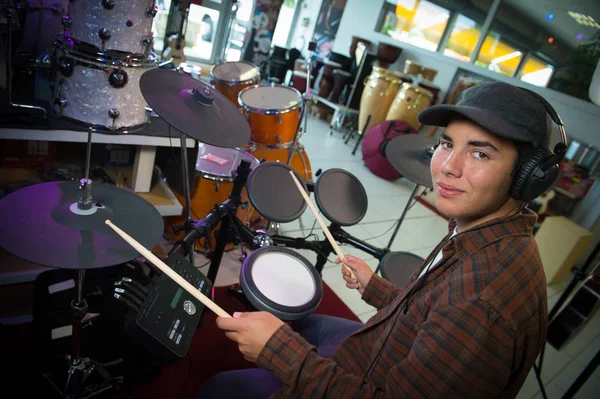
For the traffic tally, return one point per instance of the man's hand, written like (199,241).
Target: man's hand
(362,271)
(250,331)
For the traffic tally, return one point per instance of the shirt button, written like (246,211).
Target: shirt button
(413,278)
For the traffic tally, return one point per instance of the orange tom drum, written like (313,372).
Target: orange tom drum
(273,113)
(299,162)
(230,78)
(213,184)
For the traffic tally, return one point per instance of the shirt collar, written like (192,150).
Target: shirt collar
(473,239)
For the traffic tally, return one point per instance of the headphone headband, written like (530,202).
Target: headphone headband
(560,149)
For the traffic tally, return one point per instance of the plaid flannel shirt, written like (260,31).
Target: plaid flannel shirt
(471,327)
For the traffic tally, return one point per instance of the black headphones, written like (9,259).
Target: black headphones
(539,171)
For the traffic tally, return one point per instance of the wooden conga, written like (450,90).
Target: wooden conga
(379,92)
(408,102)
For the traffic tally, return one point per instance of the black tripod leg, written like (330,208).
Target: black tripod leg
(217,256)
(322,256)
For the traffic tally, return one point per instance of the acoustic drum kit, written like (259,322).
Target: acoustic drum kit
(247,151)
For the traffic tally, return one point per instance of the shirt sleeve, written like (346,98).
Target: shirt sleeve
(380,292)
(461,351)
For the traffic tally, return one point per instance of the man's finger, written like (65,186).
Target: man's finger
(232,335)
(230,323)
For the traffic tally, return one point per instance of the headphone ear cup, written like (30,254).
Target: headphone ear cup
(535,176)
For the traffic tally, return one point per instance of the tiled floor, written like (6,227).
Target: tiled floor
(419,233)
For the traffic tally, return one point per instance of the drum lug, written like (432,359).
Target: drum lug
(217,186)
(58,99)
(147,42)
(152,11)
(279,119)
(104,34)
(57,9)
(278,139)
(117,78)
(66,21)
(62,103)
(65,67)
(108,4)
(113,113)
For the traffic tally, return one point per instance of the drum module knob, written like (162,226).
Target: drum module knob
(117,78)
(108,4)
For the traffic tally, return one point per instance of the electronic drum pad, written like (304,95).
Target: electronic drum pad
(273,193)
(341,197)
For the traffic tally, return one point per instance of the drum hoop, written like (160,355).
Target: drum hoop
(268,111)
(103,128)
(418,90)
(323,208)
(101,60)
(235,82)
(260,146)
(246,279)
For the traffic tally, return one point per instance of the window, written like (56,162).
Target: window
(536,72)
(553,43)
(498,56)
(417,22)
(463,38)
(559,45)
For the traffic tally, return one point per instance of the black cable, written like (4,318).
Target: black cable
(396,222)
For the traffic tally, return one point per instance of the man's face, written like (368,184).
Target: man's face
(472,172)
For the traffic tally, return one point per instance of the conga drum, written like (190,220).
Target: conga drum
(340,77)
(215,167)
(273,113)
(412,68)
(325,79)
(230,78)
(429,74)
(434,89)
(407,104)
(377,96)
(299,79)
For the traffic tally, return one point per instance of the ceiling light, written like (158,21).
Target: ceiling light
(584,20)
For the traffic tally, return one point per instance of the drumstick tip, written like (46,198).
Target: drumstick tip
(108,222)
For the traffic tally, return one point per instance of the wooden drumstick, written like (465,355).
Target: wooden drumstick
(315,212)
(169,272)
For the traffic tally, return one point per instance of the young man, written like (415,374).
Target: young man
(469,324)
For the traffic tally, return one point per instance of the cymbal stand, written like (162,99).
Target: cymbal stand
(399,222)
(80,368)
(306,99)
(186,189)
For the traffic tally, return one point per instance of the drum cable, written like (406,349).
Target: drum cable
(396,222)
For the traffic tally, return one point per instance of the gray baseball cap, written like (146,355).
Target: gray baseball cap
(501,108)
